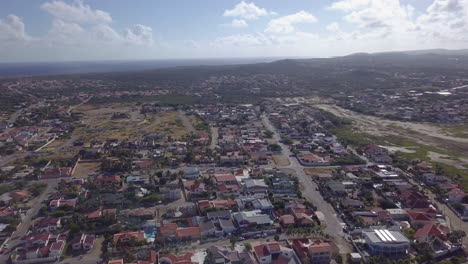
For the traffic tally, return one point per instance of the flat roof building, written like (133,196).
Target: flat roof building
(386,242)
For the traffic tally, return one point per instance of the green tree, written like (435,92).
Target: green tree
(233,241)
(248,246)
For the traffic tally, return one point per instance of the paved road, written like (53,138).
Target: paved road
(310,192)
(27,221)
(454,222)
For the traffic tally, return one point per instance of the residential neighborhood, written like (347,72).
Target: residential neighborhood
(220,183)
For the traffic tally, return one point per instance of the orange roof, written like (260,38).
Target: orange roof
(116,261)
(319,246)
(139,235)
(188,231)
(287,219)
(168,229)
(185,258)
(225,178)
(432,230)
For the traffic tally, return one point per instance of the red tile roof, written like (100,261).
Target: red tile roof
(432,230)
(139,235)
(188,232)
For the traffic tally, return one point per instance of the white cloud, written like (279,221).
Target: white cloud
(139,34)
(349,5)
(76,12)
(333,27)
(239,23)
(247,11)
(286,24)
(12,29)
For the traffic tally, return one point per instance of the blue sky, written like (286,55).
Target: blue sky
(49,30)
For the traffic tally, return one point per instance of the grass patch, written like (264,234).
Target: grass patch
(460,131)
(6,188)
(350,136)
(420,150)
(458,175)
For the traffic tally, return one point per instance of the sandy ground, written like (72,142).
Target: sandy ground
(97,123)
(420,132)
(280,160)
(394,149)
(85,168)
(458,162)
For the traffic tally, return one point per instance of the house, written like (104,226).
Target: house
(215,215)
(419,219)
(336,187)
(314,251)
(353,203)
(456,195)
(101,213)
(56,248)
(254,203)
(313,160)
(413,199)
(48,224)
(168,230)
(57,172)
(125,237)
(191,173)
(386,242)
(205,205)
(82,242)
(223,220)
(249,218)
(171,194)
(287,220)
(209,227)
(224,255)
(194,189)
(272,253)
(115,261)
(430,178)
(376,154)
(185,258)
(61,202)
(255,186)
(398,214)
(431,232)
(228,190)
(225,180)
(38,240)
(105,181)
(188,233)
(137,180)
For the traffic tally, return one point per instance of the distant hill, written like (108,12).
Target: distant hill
(434,51)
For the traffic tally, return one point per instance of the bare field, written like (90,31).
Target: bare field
(317,171)
(281,160)
(98,123)
(83,169)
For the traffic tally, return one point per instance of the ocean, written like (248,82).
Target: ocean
(15,69)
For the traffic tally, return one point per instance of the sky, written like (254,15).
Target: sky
(71,30)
